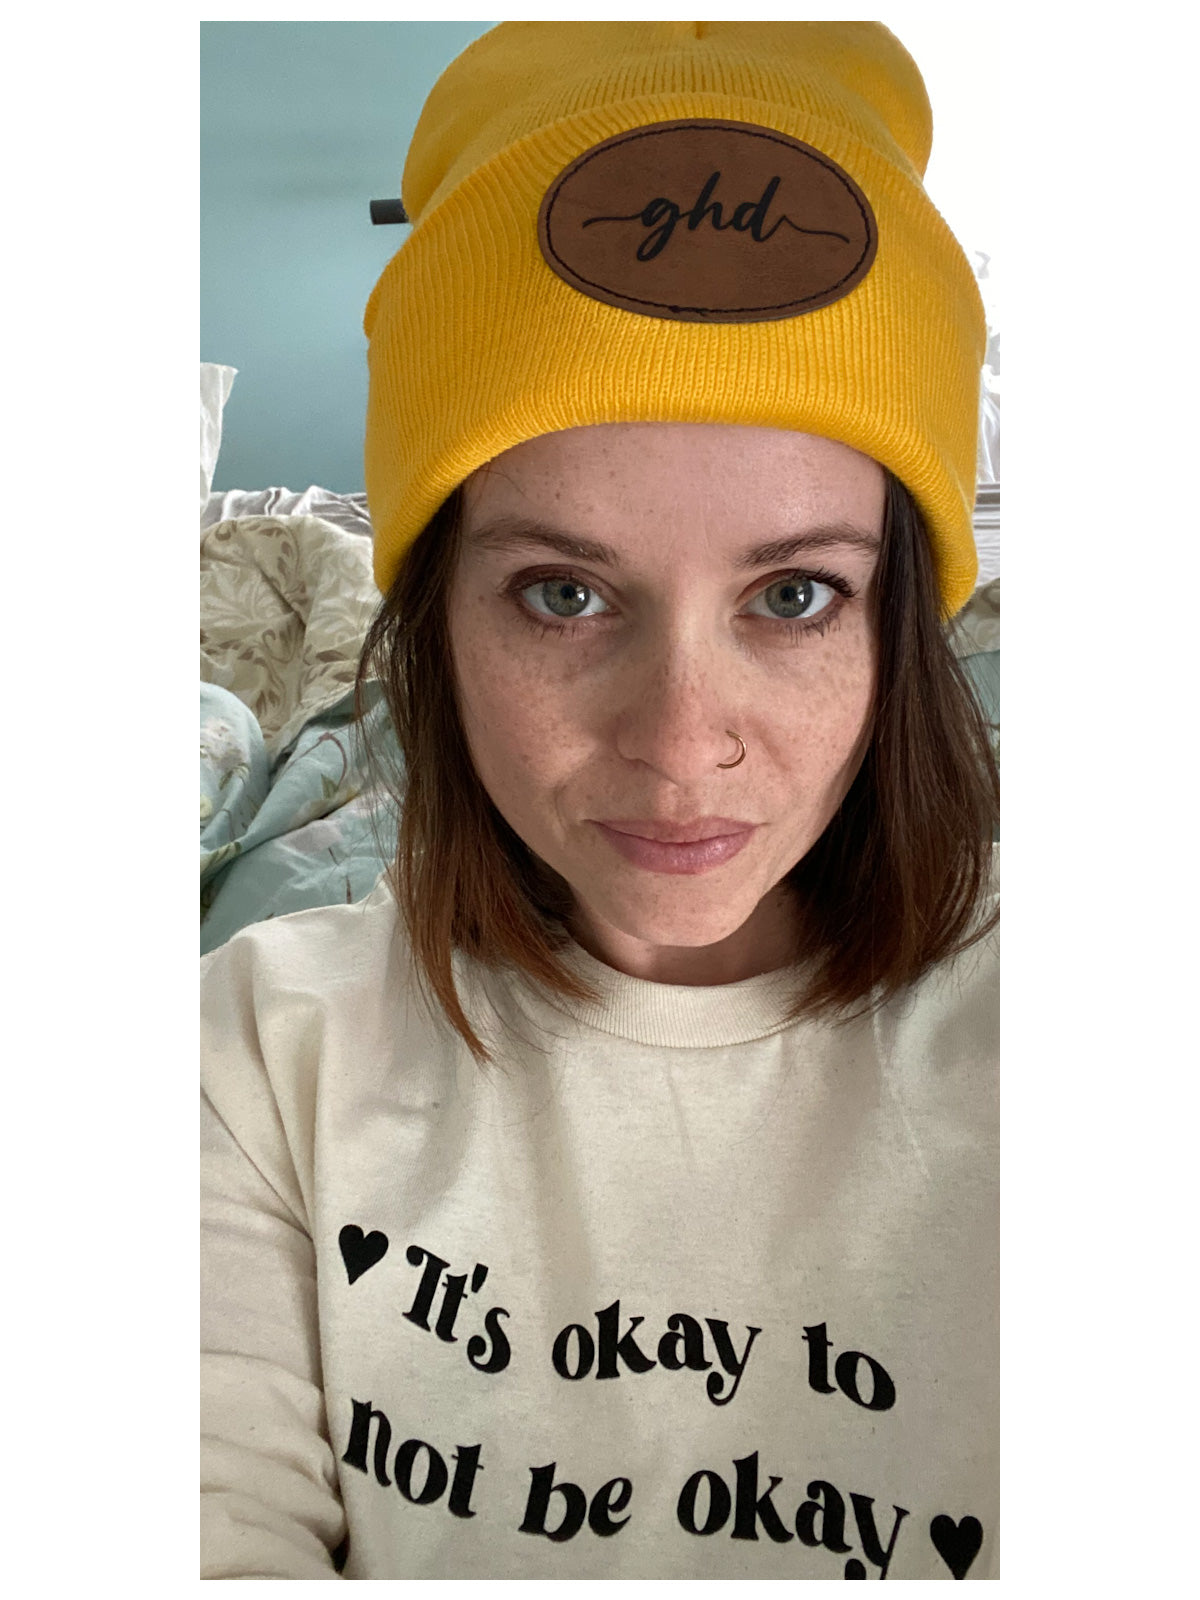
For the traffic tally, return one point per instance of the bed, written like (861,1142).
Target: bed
(288,817)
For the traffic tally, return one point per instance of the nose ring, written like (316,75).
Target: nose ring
(740,758)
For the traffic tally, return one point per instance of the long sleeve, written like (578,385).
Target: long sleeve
(270,1502)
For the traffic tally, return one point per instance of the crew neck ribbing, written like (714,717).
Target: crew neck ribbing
(668,1015)
(686,1016)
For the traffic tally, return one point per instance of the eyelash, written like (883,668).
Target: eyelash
(797,627)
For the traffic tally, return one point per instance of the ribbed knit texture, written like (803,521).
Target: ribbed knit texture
(476,345)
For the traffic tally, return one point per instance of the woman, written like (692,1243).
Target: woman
(612,1194)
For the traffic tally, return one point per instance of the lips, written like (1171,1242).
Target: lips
(687,858)
(679,832)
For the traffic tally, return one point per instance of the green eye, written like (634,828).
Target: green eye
(791,599)
(564,598)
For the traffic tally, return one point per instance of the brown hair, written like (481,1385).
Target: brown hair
(896,883)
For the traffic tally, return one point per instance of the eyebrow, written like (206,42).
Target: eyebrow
(512,534)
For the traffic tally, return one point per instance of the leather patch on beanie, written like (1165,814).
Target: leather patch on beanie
(708,221)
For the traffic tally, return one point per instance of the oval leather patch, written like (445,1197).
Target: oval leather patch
(708,221)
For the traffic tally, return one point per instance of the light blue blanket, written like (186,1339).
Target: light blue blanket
(308,833)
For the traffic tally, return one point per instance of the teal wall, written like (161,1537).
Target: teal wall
(302,125)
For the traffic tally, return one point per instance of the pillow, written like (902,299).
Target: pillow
(215,384)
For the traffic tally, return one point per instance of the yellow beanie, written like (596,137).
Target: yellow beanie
(716,222)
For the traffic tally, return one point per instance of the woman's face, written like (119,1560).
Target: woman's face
(618,608)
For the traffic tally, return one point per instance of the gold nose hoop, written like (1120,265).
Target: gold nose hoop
(738,761)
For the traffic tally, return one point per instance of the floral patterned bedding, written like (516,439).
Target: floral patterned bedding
(284,605)
(287,819)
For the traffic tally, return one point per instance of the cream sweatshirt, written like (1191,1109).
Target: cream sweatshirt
(677,1289)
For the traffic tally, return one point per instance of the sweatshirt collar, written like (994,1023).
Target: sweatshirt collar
(682,1016)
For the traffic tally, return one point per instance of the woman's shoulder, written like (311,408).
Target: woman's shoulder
(284,997)
(301,1011)
(952,1012)
(311,948)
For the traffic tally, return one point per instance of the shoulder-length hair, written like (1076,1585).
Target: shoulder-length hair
(897,882)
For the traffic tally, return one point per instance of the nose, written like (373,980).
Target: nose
(675,708)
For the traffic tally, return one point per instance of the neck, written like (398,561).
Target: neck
(765,942)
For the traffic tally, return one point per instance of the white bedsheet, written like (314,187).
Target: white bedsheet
(347,511)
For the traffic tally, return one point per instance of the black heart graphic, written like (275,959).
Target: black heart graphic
(359,1252)
(956,1542)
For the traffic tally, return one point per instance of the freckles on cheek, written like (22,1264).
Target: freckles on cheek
(472,660)
(852,671)
(507,707)
(852,713)
(483,691)
(830,721)
(855,720)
